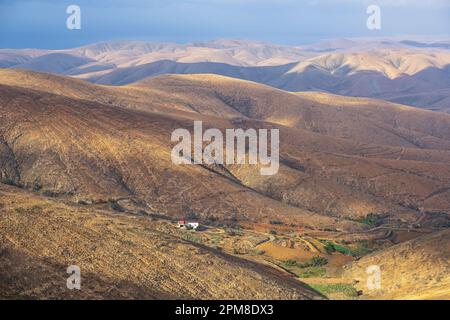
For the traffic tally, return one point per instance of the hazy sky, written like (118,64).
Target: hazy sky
(42,23)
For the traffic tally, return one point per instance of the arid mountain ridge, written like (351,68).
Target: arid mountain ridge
(407,72)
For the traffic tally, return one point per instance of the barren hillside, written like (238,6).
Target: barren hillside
(416,269)
(120,256)
(89,166)
(339,157)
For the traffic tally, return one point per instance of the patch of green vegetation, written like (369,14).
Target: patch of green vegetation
(314,262)
(326,289)
(362,248)
(331,247)
(272,232)
(372,219)
(290,263)
(312,272)
(342,249)
(10,182)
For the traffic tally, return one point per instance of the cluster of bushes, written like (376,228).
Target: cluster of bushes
(361,249)
(331,247)
(312,272)
(10,182)
(372,219)
(308,269)
(314,262)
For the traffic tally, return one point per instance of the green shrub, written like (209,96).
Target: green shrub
(272,232)
(290,263)
(9,182)
(342,249)
(314,262)
(318,261)
(361,249)
(329,248)
(312,272)
(372,219)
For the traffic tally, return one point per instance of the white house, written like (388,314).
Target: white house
(188,225)
(192,225)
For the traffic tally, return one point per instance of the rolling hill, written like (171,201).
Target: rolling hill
(401,71)
(85,169)
(339,158)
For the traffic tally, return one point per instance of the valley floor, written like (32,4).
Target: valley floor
(137,256)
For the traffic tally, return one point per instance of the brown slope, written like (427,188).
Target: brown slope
(319,172)
(120,257)
(181,94)
(362,120)
(417,269)
(93,152)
